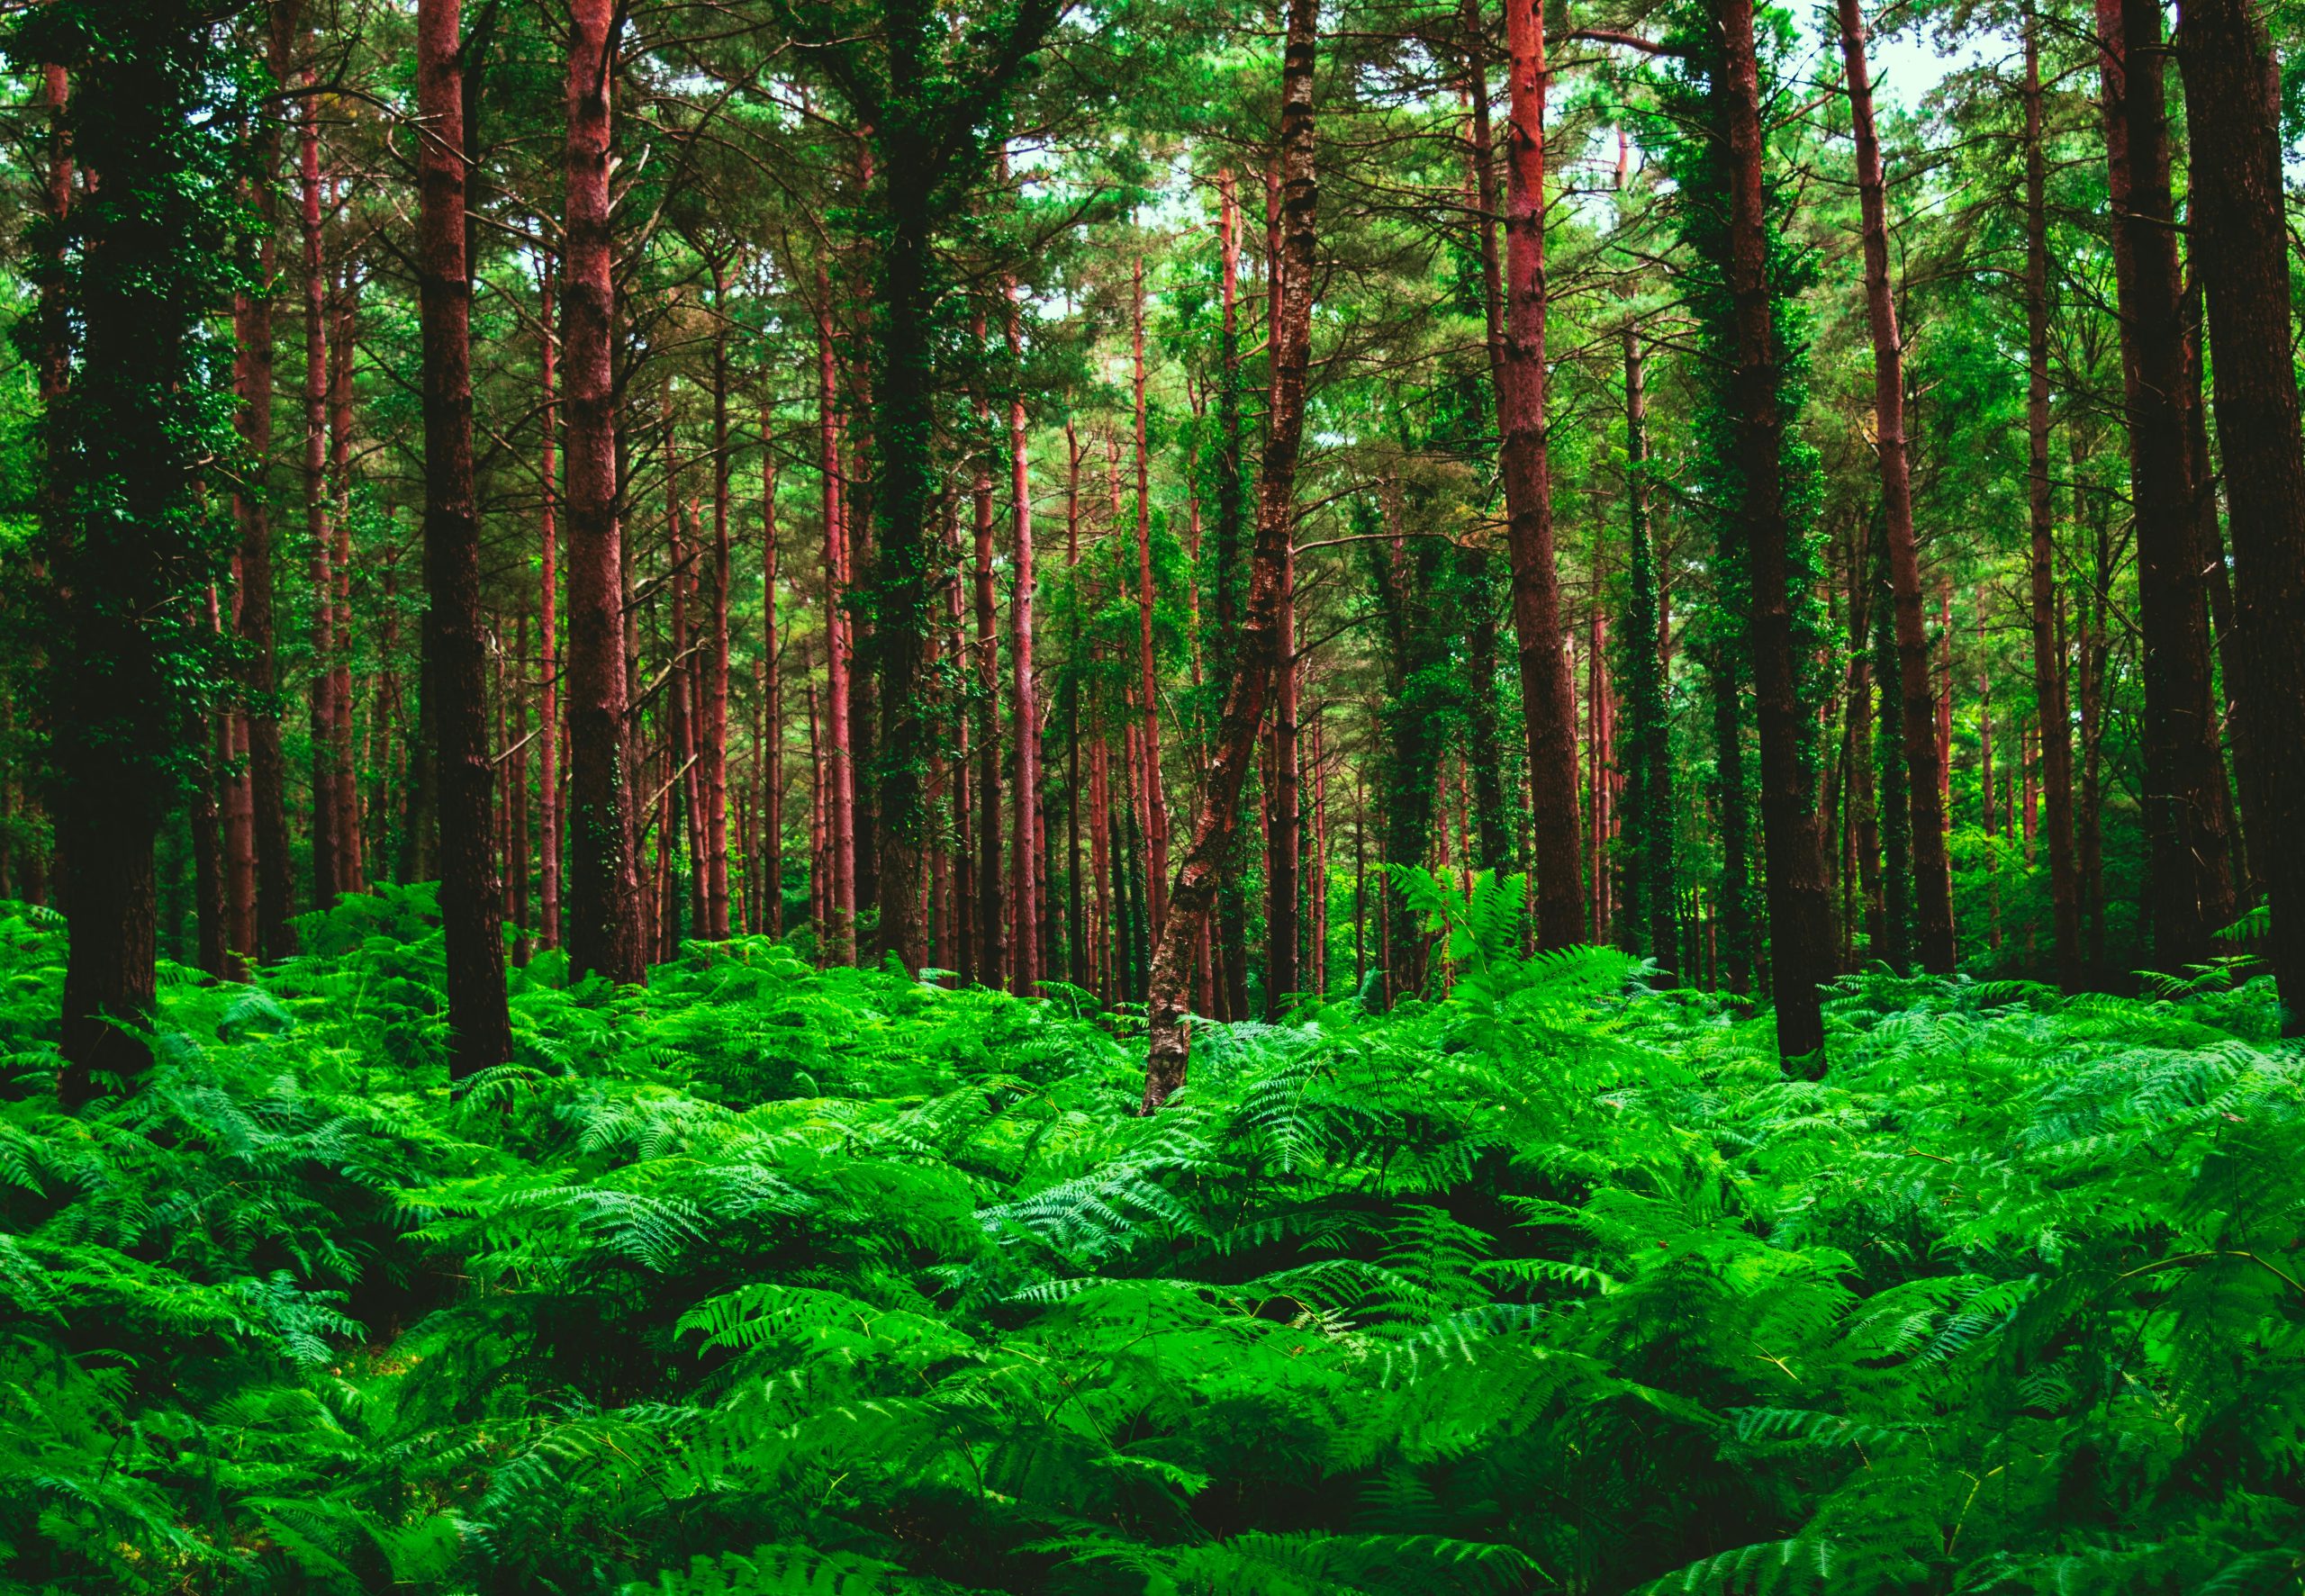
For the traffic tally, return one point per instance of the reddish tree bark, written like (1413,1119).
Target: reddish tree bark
(548,617)
(1026,845)
(770,866)
(1263,649)
(992,902)
(713,778)
(352,869)
(841,794)
(2240,248)
(1924,776)
(1548,695)
(480,1029)
(1800,905)
(602,911)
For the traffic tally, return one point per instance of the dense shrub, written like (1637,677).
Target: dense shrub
(773,1279)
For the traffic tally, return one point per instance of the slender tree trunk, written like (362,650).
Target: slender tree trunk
(1924,784)
(769,864)
(266,767)
(2048,653)
(516,796)
(471,912)
(841,772)
(2186,846)
(2240,246)
(680,703)
(352,869)
(1264,648)
(548,620)
(1156,806)
(715,773)
(327,844)
(1649,644)
(1026,846)
(602,902)
(992,902)
(1281,979)
(1548,696)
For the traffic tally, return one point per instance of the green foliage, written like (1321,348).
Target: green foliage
(768,1279)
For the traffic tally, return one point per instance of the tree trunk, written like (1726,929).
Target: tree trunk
(1156,806)
(770,863)
(2191,892)
(2048,651)
(603,906)
(327,824)
(549,622)
(1548,696)
(1287,799)
(351,868)
(713,777)
(1924,783)
(1263,646)
(1647,643)
(840,816)
(1024,849)
(471,912)
(1800,906)
(267,768)
(2240,244)
(516,794)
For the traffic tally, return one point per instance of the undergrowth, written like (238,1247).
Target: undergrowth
(772,1279)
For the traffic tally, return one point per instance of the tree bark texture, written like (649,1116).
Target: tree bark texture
(1168,1040)
(471,909)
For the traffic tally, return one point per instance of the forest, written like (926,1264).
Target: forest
(892,798)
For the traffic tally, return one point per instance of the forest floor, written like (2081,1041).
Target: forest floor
(773,1279)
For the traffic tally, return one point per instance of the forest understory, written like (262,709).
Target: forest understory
(1079,798)
(769,1278)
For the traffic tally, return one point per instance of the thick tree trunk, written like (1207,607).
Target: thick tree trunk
(1548,696)
(1800,908)
(111,900)
(603,907)
(1263,650)
(1230,942)
(1924,784)
(2191,891)
(2240,247)
(904,492)
(471,912)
